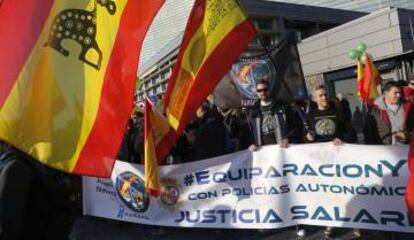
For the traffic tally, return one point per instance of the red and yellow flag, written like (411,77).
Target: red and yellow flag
(368,78)
(68,71)
(217,33)
(360,79)
(409,194)
(159,136)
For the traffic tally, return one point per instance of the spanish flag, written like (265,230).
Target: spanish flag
(67,78)
(158,138)
(217,33)
(368,78)
(360,78)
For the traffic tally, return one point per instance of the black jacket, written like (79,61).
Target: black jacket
(328,124)
(287,123)
(210,137)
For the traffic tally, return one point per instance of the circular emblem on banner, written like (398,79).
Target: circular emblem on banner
(131,189)
(246,73)
(325,127)
(170,193)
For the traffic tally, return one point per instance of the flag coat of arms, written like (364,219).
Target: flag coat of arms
(67,78)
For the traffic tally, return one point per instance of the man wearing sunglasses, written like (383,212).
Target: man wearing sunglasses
(273,123)
(268,120)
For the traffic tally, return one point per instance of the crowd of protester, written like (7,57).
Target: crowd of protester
(212,132)
(215,131)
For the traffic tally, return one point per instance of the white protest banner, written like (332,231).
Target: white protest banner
(355,186)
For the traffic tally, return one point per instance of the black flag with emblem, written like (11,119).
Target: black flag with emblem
(287,83)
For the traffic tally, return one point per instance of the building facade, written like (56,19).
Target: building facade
(170,21)
(167,24)
(389,35)
(355,5)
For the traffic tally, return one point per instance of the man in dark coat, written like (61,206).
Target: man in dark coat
(207,134)
(271,122)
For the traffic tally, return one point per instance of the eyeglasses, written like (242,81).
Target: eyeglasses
(262,90)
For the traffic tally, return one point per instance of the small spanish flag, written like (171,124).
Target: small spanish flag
(67,78)
(217,33)
(158,138)
(368,78)
(360,79)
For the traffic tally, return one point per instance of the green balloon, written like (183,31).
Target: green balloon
(360,53)
(353,54)
(362,47)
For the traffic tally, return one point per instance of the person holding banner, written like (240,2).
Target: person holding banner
(390,120)
(270,122)
(326,122)
(268,119)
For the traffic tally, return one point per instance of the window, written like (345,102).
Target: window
(264,24)
(164,65)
